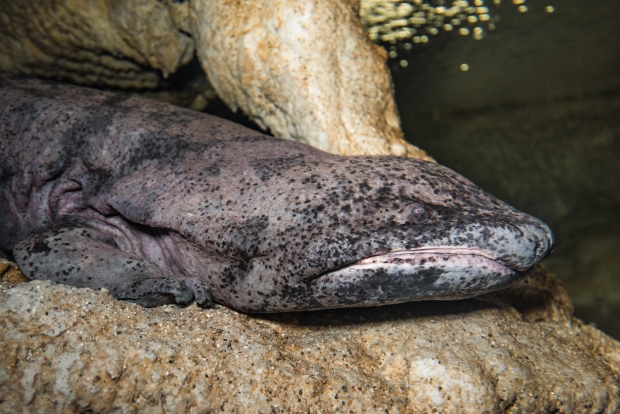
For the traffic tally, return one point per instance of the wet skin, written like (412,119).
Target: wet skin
(160,204)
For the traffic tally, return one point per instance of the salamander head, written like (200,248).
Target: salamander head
(362,231)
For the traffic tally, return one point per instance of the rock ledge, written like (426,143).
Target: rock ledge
(77,350)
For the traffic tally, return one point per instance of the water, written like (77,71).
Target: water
(531,113)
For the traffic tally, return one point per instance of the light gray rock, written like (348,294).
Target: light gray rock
(77,350)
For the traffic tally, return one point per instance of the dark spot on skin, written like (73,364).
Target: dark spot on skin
(94,181)
(40,247)
(268,167)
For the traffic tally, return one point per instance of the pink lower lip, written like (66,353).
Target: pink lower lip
(469,257)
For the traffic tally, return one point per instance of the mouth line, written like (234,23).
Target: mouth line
(436,250)
(414,255)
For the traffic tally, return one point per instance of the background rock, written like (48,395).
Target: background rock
(76,350)
(306,70)
(122,44)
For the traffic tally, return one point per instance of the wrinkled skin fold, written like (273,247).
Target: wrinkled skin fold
(159,204)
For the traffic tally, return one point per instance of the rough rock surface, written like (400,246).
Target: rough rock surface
(10,273)
(306,70)
(307,60)
(123,44)
(77,350)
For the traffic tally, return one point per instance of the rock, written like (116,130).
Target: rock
(305,70)
(122,44)
(77,350)
(10,273)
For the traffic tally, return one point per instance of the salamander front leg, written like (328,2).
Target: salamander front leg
(80,256)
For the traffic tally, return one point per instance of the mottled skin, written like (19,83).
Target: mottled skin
(160,204)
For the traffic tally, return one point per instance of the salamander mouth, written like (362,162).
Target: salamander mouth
(433,273)
(467,257)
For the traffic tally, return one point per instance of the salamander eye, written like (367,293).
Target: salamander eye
(418,211)
(419,214)
(413,214)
